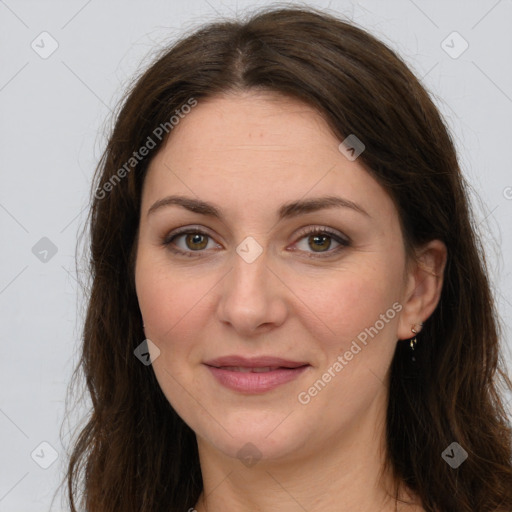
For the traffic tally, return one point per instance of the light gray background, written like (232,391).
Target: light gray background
(53,117)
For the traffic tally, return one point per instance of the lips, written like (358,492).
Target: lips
(256,369)
(254,375)
(262,363)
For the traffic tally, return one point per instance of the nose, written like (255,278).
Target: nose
(253,299)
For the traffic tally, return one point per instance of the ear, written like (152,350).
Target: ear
(424,282)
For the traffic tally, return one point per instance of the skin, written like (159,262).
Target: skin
(249,153)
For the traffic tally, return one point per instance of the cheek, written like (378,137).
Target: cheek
(172,303)
(346,303)
(359,312)
(167,300)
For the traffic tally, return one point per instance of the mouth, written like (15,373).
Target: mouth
(256,369)
(263,369)
(256,375)
(261,362)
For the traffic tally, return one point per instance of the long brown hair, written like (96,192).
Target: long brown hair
(135,454)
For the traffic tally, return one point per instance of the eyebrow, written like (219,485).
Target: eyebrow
(286,211)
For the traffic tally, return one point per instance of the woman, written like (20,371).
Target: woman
(290,308)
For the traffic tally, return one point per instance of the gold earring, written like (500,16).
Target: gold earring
(413,342)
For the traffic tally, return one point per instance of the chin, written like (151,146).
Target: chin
(255,440)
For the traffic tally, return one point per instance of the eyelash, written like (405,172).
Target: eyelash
(191,230)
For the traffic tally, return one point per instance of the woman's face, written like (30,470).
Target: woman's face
(254,283)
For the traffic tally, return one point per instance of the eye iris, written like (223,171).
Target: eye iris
(316,238)
(195,238)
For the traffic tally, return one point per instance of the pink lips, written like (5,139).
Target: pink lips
(254,375)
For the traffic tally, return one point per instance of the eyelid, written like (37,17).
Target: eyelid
(323,229)
(193,228)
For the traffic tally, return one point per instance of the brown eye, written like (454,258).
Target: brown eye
(323,242)
(189,242)
(318,242)
(196,241)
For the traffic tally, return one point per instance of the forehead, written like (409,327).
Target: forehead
(250,121)
(258,149)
